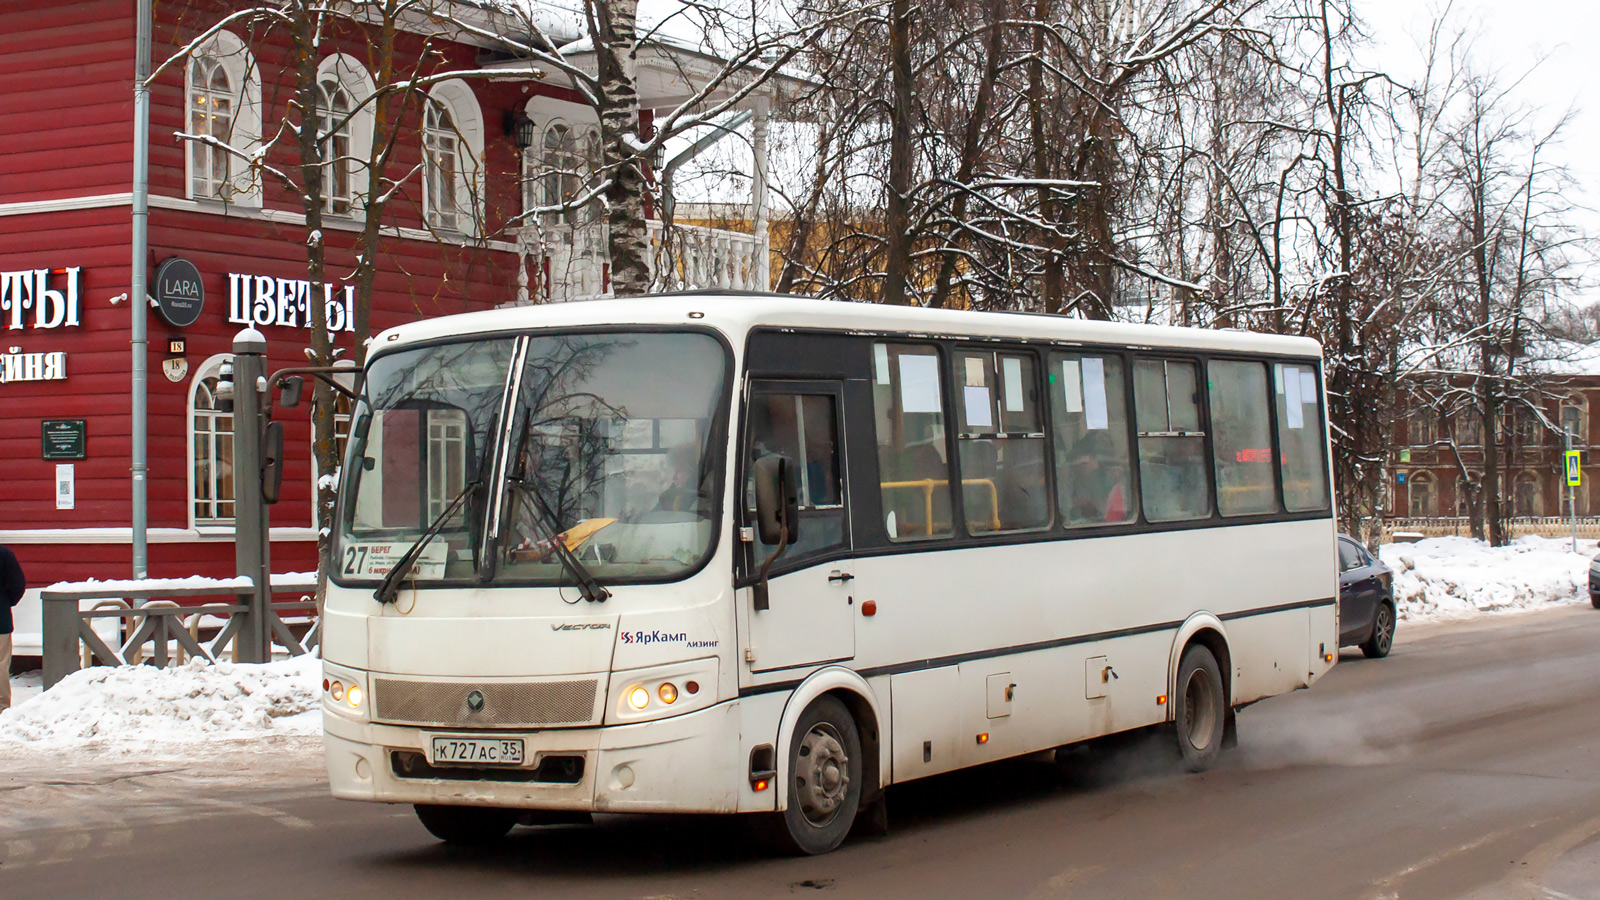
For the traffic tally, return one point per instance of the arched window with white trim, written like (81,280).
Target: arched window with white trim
(1424,499)
(1526,500)
(452,170)
(210,449)
(223,89)
(1575,419)
(559,178)
(345,123)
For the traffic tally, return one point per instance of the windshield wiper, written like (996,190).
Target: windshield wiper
(589,586)
(391,582)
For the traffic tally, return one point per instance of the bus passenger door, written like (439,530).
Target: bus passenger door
(809,616)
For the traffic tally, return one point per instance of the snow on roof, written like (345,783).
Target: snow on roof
(1566,358)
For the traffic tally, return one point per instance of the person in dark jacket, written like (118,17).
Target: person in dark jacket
(12,585)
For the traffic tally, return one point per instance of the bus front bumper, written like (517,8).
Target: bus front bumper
(685,763)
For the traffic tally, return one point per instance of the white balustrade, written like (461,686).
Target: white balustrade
(570,262)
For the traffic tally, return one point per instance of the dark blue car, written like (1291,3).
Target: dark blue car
(1366,600)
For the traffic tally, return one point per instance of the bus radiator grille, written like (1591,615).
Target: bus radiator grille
(494,704)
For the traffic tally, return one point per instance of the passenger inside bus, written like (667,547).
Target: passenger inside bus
(1098,481)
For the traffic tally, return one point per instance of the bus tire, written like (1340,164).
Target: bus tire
(1201,711)
(468,826)
(824,781)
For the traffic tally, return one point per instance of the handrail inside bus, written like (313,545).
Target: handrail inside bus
(928,484)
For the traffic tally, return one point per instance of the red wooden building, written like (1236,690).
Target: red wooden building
(66,173)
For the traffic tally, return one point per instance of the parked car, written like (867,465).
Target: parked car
(1366,600)
(1594,582)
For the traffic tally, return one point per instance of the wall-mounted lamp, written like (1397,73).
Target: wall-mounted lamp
(519,128)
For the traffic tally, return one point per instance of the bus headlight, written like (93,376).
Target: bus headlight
(345,691)
(642,694)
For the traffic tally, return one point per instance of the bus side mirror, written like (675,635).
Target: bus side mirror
(272,463)
(777,500)
(777,515)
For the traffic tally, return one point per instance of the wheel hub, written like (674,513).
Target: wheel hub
(1200,712)
(821,774)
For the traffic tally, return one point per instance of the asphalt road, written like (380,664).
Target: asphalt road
(1465,765)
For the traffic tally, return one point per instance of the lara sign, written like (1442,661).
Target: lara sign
(180,295)
(288,302)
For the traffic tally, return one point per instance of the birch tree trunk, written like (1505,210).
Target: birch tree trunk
(616,27)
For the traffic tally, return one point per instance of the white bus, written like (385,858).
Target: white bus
(768,554)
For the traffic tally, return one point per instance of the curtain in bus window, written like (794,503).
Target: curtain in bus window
(1305,473)
(1172,453)
(914,475)
(804,429)
(1241,438)
(1001,443)
(1094,471)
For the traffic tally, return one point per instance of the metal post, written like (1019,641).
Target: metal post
(1572,494)
(138,306)
(253,640)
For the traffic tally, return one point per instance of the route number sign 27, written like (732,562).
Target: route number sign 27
(1574,473)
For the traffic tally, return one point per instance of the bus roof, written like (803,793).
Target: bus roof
(736,313)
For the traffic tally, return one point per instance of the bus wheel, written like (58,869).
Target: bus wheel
(824,784)
(472,826)
(1202,710)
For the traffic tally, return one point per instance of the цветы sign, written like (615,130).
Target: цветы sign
(51,295)
(264,300)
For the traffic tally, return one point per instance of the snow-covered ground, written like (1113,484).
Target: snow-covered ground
(1455,577)
(143,709)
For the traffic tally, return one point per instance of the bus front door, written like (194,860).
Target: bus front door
(809,616)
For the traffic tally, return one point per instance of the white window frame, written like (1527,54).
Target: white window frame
(455,96)
(350,76)
(244,78)
(211,367)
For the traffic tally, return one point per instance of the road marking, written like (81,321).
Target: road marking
(1384,888)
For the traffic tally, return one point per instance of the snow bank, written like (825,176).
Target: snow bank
(189,704)
(112,587)
(1452,577)
(193,582)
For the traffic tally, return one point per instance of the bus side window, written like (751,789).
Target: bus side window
(908,412)
(1172,448)
(1094,472)
(804,428)
(1241,438)
(1001,443)
(1298,408)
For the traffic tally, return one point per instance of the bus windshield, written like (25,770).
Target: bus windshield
(610,453)
(422,436)
(613,457)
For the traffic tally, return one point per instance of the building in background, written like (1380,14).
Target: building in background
(228,249)
(1437,459)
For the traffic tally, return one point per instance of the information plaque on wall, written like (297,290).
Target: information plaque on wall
(64,438)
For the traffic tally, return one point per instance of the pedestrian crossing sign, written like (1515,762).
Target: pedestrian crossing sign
(1574,473)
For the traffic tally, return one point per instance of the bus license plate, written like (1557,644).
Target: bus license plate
(477,751)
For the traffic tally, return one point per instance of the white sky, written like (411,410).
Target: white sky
(1559,40)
